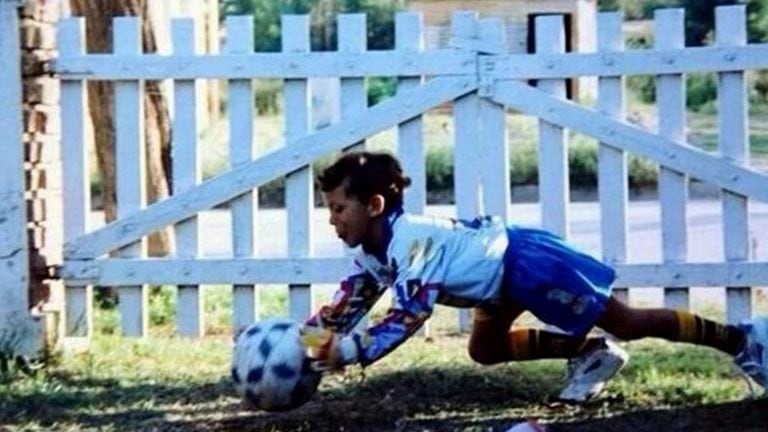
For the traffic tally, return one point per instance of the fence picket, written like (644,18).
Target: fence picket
(494,173)
(271,165)
(612,162)
(186,175)
(298,184)
(352,39)
(409,37)
(466,110)
(673,185)
(242,149)
(553,138)
(130,170)
(476,61)
(730,30)
(14,237)
(77,298)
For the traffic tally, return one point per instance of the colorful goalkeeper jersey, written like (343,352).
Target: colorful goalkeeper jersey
(427,260)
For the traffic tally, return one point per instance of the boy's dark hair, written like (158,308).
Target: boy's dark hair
(365,174)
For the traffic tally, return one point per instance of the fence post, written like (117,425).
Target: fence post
(730,31)
(299,198)
(466,113)
(612,162)
(244,209)
(673,185)
(16,329)
(553,138)
(130,170)
(78,299)
(186,175)
(409,37)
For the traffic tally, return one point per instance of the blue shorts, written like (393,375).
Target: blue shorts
(558,284)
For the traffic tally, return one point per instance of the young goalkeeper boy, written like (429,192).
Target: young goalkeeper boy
(499,270)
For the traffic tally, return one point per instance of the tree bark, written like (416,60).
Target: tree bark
(98,25)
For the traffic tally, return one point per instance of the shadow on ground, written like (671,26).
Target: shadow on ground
(463,398)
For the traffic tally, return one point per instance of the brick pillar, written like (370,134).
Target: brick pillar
(41,133)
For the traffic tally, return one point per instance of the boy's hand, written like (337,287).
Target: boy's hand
(325,347)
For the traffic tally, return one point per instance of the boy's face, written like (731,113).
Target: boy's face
(351,218)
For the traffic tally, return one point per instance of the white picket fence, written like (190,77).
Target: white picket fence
(16,327)
(476,75)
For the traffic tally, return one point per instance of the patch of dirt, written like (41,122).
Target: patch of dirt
(407,402)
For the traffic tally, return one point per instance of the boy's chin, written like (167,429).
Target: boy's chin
(351,244)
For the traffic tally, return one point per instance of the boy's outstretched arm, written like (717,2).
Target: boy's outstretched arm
(415,292)
(414,305)
(354,298)
(335,350)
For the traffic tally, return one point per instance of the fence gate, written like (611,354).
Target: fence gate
(476,75)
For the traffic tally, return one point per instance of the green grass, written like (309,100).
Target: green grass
(161,382)
(165,382)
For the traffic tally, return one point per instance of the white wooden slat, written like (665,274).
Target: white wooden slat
(612,176)
(116,271)
(702,165)
(673,185)
(494,173)
(299,200)
(352,38)
(691,274)
(733,118)
(634,62)
(553,139)
(77,298)
(267,65)
(466,161)
(409,37)
(242,150)
(186,175)
(129,175)
(238,180)
(14,249)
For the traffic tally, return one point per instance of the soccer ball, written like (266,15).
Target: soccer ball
(270,368)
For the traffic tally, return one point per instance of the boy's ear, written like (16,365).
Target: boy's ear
(376,205)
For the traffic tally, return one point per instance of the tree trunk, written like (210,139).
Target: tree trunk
(98,23)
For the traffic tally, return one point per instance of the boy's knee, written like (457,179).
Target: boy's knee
(479,353)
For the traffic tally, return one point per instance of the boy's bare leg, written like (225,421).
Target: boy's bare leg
(493,342)
(629,323)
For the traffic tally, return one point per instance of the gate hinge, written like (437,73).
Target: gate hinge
(54,271)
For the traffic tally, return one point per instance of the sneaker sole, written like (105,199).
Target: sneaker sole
(615,362)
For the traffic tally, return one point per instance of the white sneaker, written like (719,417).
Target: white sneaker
(587,374)
(753,359)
